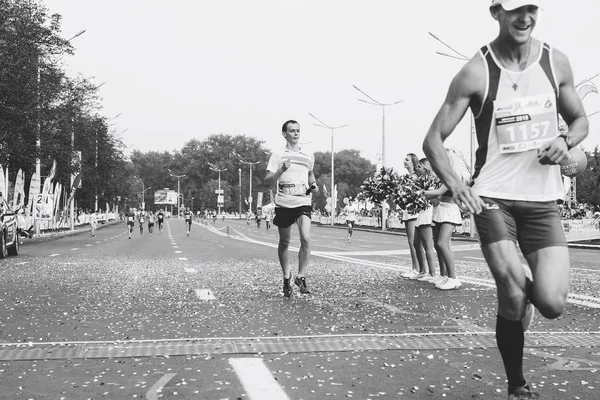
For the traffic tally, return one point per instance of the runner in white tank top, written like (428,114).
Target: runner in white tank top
(515,86)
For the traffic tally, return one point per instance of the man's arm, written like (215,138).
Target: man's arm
(463,88)
(312,182)
(570,108)
(272,177)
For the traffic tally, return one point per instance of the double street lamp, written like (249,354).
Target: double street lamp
(220,194)
(321,124)
(251,164)
(178,187)
(383,158)
(143,191)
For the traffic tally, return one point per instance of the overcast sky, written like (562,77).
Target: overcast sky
(184,69)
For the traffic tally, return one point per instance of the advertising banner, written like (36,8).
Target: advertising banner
(162,197)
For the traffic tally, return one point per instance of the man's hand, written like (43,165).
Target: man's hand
(286,164)
(467,200)
(554,152)
(313,188)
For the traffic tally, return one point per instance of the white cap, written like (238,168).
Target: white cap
(510,5)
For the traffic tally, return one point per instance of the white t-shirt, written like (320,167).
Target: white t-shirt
(293,183)
(93,218)
(351,211)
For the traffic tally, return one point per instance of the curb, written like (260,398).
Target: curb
(46,237)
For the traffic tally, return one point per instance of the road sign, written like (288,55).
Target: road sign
(219,191)
(220,199)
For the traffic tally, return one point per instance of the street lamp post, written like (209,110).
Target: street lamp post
(192,204)
(214,168)
(240,190)
(251,164)
(383,158)
(178,187)
(333,193)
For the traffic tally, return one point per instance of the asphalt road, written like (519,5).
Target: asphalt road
(202,317)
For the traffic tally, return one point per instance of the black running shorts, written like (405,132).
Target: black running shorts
(533,224)
(285,217)
(350,223)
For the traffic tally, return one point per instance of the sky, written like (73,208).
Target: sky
(186,69)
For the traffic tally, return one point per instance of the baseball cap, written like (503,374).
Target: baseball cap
(510,5)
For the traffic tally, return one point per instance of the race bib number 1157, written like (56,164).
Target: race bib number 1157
(525,123)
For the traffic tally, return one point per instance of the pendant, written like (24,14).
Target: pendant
(515,86)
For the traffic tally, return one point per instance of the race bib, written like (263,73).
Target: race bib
(525,123)
(293,189)
(129,219)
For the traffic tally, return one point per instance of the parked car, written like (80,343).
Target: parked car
(9,240)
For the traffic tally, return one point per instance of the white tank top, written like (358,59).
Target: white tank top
(518,116)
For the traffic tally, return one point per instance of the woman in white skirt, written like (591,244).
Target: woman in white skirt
(424,233)
(446,217)
(410,222)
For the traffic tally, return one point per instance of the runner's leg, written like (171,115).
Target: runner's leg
(304,253)
(282,249)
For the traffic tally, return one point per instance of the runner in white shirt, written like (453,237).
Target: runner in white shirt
(350,212)
(291,169)
(93,222)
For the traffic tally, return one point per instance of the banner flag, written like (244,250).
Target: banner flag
(48,180)
(57,193)
(34,190)
(65,214)
(19,196)
(3,185)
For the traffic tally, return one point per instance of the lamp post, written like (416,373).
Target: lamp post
(178,187)
(333,193)
(383,158)
(214,168)
(143,191)
(240,190)
(251,164)
(192,204)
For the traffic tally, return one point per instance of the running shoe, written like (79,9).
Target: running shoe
(529,308)
(301,283)
(442,281)
(522,393)
(409,274)
(418,276)
(450,284)
(425,278)
(438,279)
(287,287)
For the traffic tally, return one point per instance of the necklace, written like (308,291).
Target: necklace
(515,85)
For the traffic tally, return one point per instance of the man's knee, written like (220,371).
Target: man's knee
(551,306)
(304,241)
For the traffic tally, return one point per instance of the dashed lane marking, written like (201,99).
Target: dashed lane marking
(152,393)
(474,258)
(204,294)
(178,251)
(75,248)
(54,255)
(88,245)
(257,380)
(190,270)
(182,259)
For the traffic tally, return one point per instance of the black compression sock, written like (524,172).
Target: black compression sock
(511,340)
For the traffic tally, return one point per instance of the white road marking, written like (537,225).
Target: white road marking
(152,393)
(182,259)
(178,251)
(88,245)
(54,255)
(257,380)
(22,263)
(190,270)
(204,294)
(75,248)
(175,247)
(585,269)
(475,258)
(98,241)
